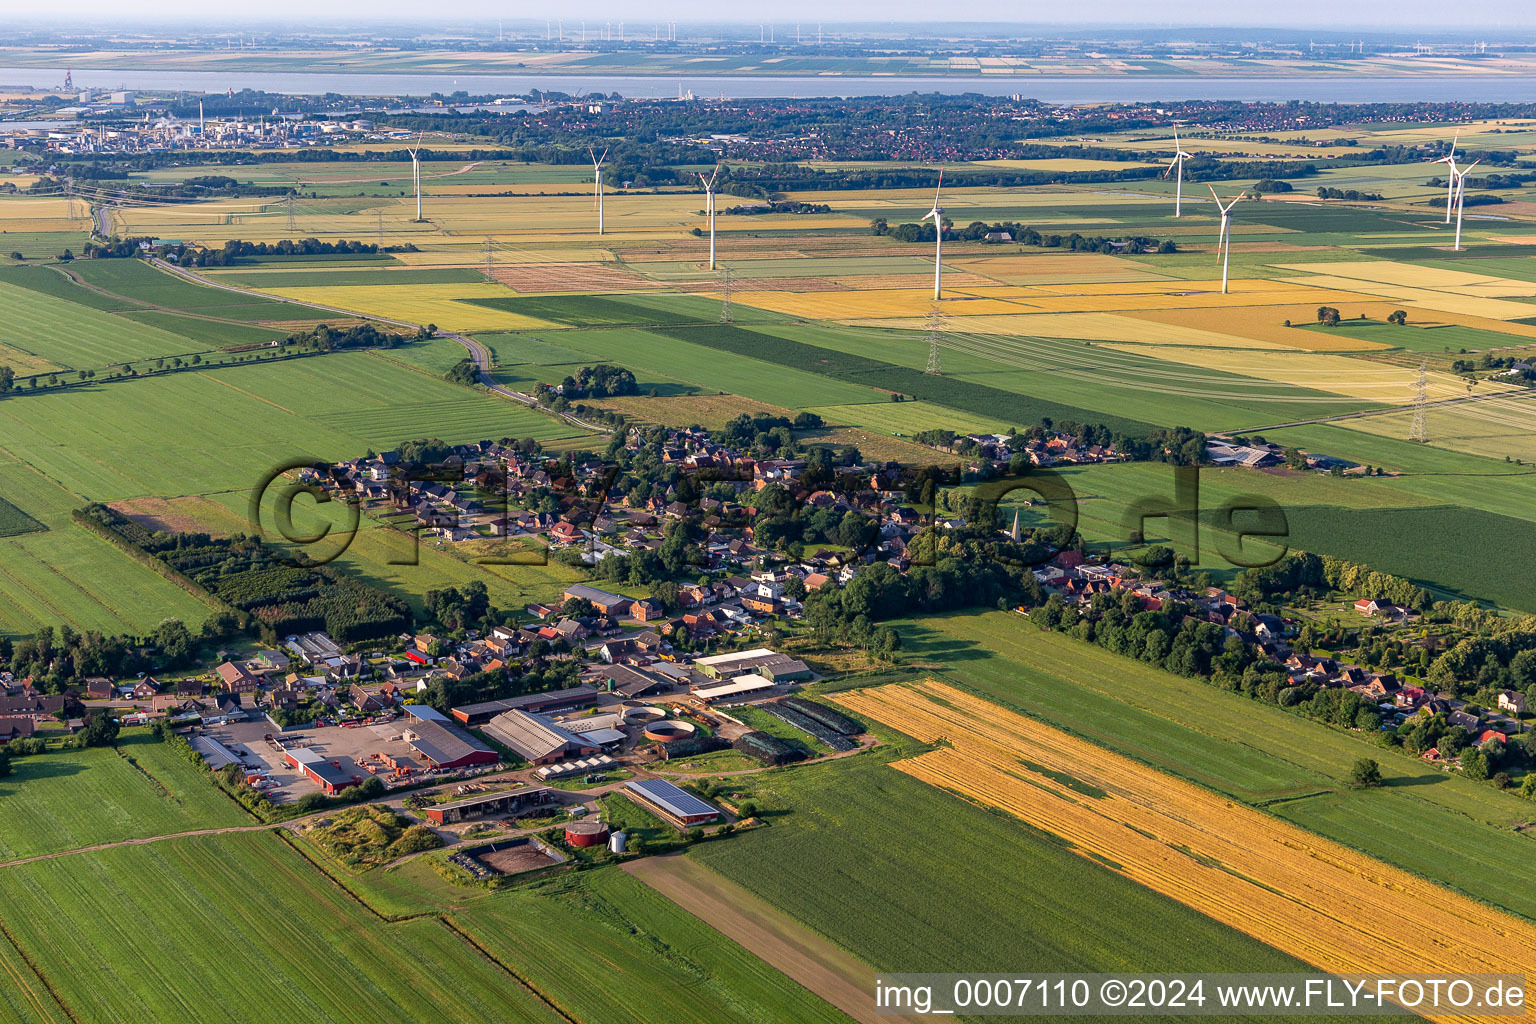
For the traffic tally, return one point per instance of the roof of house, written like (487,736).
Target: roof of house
(741,684)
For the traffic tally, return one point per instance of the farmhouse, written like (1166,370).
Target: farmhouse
(538,740)
(536,703)
(15,729)
(1369,606)
(760,661)
(35,708)
(672,803)
(1513,702)
(487,805)
(236,679)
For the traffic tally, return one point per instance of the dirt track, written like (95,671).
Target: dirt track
(782,942)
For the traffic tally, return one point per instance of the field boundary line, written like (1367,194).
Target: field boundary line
(469,940)
(41,980)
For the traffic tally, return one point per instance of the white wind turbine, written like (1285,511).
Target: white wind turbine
(597,196)
(1460,184)
(1224,239)
(1179,156)
(937,213)
(709,192)
(1450,188)
(416,174)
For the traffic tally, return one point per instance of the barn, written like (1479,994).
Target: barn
(489,805)
(673,803)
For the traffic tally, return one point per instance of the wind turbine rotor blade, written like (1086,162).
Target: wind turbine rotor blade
(939,189)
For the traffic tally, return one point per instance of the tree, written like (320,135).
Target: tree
(1327,316)
(1397,316)
(7,379)
(5,764)
(1474,765)
(1366,773)
(100,731)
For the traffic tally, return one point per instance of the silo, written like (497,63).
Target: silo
(616,842)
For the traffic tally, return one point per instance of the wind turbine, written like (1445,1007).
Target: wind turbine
(416,173)
(1450,189)
(1179,156)
(1461,197)
(709,192)
(937,213)
(1224,239)
(597,196)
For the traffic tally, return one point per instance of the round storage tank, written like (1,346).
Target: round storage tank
(643,713)
(669,731)
(616,842)
(586,833)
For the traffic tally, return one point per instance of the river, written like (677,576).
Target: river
(1052,89)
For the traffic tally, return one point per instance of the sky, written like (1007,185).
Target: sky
(1387,15)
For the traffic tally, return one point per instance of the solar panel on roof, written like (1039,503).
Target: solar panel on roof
(671,798)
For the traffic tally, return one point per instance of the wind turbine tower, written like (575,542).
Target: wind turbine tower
(937,213)
(1450,189)
(1177,168)
(597,173)
(709,202)
(1224,239)
(416,173)
(1460,185)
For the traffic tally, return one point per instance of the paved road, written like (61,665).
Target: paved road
(477,352)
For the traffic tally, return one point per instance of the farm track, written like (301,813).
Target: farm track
(780,941)
(477,352)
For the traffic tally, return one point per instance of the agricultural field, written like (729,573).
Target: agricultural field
(570,936)
(148,910)
(1318,901)
(68,799)
(875,830)
(1255,753)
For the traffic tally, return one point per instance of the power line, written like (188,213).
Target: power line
(1419,431)
(935,329)
(490,259)
(290,212)
(725,296)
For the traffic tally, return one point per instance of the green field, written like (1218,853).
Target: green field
(171,911)
(907,877)
(66,575)
(145,284)
(609,949)
(222,429)
(14,522)
(68,799)
(74,335)
(669,358)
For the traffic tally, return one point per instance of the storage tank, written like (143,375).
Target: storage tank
(586,833)
(616,842)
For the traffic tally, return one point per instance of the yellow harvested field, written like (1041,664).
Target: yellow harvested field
(1323,903)
(1319,371)
(1416,276)
(439,304)
(1083,327)
(24,362)
(1428,298)
(1267,323)
(1057,269)
(879,282)
(1003,300)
